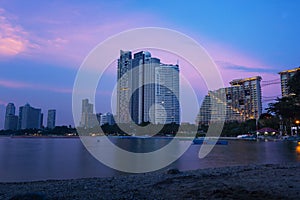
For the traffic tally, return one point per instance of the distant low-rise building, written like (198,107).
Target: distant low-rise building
(107,118)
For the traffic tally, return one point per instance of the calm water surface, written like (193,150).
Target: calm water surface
(28,159)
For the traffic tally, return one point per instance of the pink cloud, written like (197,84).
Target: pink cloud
(3,102)
(14,84)
(233,62)
(23,85)
(63,38)
(13,39)
(66,37)
(226,53)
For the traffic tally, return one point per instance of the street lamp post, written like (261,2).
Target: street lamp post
(280,126)
(297,126)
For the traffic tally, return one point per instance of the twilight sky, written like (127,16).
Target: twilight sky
(43,43)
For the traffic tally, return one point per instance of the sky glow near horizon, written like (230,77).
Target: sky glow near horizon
(43,43)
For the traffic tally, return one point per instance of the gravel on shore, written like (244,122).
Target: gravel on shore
(269,181)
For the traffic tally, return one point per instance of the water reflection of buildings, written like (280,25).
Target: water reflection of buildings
(241,101)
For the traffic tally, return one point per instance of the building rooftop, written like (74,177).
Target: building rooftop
(241,81)
(289,70)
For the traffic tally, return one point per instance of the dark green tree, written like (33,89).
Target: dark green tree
(294,84)
(267,120)
(288,108)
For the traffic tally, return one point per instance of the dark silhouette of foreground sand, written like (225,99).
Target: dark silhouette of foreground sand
(247,182)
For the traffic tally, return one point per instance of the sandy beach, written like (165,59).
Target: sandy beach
(269,181)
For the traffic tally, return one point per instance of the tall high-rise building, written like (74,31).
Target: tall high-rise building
(147,89)
(167,108)
(29,117)
(10,109)
(285,76)
(240,102)
(51,119)
(143,84)
(11,120)
(123,87)
(88,118)
(250,98)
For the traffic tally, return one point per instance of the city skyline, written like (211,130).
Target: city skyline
(248,90)
(282,78)
(41,51)
(27,117)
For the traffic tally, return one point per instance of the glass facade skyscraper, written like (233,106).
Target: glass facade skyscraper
(11,120)
(51,119)
(29,117)
(148,90)
(123,87)
(167,109)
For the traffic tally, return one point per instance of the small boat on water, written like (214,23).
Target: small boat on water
(210,141)
(246,137)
